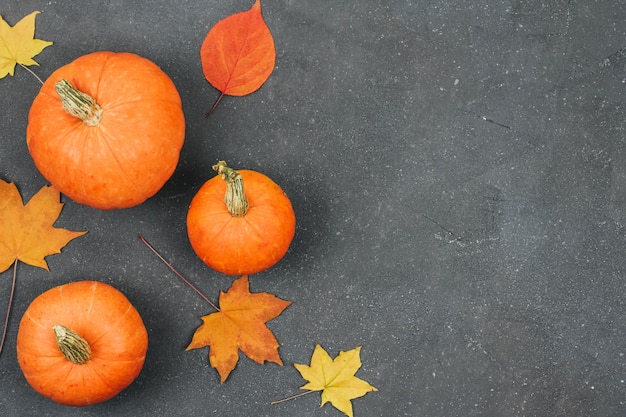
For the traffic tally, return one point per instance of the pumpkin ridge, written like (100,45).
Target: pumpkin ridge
(273,243)
(138,359)
(224,226)
(86,374)
(105,139)
(94,289)
(34,320)
(142,100)
(103,334)
(95,372)
(69,133)
(102,374)
(39,355)
(254,227)
(83,143)
(63,301)
(101,74)
(59,387)
(259,235)
(163,139)
(151,70)
(83,154)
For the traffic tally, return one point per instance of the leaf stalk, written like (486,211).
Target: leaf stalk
(32,72)
(178,274)
(6,318)
(207,114)
(293,397)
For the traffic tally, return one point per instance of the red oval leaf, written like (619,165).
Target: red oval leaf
(238,53)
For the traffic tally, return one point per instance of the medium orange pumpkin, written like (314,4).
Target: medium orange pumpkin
(107,129)
(240,231)
(81,343)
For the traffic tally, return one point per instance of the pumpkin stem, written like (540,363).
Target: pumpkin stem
(78,104)
(73,347)
(235,197)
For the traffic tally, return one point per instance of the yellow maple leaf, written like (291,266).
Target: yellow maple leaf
(17,44)
(26,231)
(335,378)
(240,325)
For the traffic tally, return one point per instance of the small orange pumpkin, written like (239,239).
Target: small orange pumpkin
(237,231)
(81,343)
(107,129)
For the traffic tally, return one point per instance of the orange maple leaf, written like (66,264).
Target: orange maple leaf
(27,233)
(238,53)
(240,325)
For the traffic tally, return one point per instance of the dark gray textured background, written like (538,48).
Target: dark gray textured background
(458,172)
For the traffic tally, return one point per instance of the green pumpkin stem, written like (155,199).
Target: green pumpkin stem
(235,197)
(73,347)
(78,104)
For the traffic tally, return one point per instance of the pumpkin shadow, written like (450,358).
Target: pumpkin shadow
(309,198)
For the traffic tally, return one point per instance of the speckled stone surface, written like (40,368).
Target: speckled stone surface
(458,173)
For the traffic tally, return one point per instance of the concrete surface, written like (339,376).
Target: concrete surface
(458,172)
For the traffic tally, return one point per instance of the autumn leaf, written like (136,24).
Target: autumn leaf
(240,325)
(238,53)
(335,378)
(17,44)
(27,233)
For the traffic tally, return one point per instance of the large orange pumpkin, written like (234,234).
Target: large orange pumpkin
(240,231)
(81,343)
(107,129)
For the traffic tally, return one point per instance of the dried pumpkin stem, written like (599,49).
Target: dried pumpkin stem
(235,197)
(78,104)
(73,347)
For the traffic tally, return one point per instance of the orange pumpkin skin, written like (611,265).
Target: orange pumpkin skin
(105,318)
(241,245)
(135,147)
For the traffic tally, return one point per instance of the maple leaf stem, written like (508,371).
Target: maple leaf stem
(178,274)
(6,318)
(207,114)
(293,397)
(32,72)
